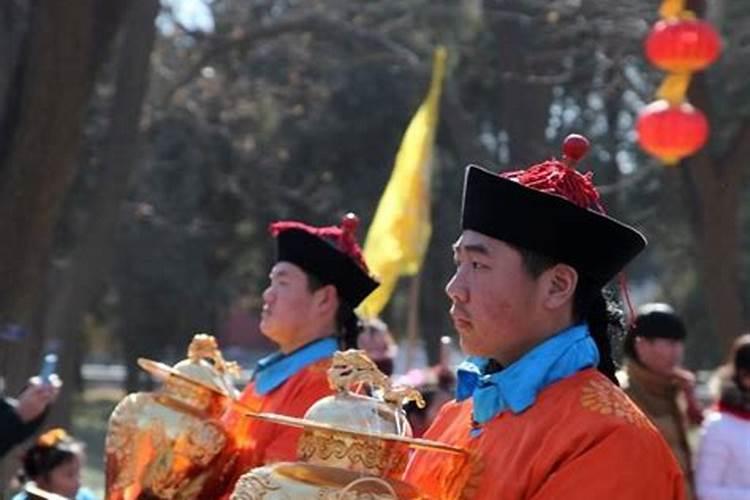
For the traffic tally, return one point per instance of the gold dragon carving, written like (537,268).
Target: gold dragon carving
(205,347)
(353,368)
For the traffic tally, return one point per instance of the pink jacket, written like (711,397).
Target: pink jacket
(723,466)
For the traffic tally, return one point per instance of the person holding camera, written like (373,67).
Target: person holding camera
(22,417)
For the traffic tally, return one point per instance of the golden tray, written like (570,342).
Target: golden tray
(419,443)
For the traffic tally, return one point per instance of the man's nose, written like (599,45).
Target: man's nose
(455,288)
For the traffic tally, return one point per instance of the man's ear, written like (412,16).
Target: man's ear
(326,298)
(559,285)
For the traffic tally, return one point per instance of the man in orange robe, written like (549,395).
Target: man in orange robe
(537,405)
(308,310)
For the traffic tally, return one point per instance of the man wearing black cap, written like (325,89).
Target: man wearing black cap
(308,310)
(655,381)
(537,405)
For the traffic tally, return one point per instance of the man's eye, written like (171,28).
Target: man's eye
(478,265)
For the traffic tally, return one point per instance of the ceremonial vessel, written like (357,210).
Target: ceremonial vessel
(170,443)
(354,446)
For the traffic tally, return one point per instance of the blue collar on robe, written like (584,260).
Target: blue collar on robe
(516,386)
(276,368)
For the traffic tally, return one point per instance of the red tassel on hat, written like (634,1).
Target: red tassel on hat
(561,178)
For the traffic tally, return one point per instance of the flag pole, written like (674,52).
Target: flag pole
(412,323)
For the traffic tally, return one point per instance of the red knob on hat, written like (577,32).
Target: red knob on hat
(575,147)
(349,223)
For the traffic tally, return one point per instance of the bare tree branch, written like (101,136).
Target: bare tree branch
(312,23)
(626,182)
(547,80)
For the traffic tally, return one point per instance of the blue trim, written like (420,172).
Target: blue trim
(517,386)
(277,368)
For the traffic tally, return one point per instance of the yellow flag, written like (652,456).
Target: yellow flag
(398,236)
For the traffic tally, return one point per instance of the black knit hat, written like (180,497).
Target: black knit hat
(657,320)
(331,254)
(553,210)
(742,357)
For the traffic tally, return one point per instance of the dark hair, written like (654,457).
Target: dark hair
(741,361)
(347,326)
(654,320)
(50,451)
(376,326)
(628,346)
(370,328)
(591,305)
(347,321)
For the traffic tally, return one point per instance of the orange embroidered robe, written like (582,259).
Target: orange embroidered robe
(582,439)
(260,443)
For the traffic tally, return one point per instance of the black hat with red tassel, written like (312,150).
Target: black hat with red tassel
(331,254)
(554,210)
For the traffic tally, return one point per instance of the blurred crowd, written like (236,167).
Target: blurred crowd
(654,378)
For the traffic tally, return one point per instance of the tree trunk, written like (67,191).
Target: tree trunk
(40,160)
(526,112)
(39,142)
(14,25)
(89,269)
(524,106)
(714,188)
(462,129)
(714,185)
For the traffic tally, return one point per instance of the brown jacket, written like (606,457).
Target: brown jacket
(663,401)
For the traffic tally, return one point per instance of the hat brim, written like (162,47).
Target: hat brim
(596,245)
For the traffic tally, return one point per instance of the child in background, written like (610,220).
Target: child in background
(376,340)
(723,468)
(52,468)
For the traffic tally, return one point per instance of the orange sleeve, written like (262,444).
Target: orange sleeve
(281,444)
(622,465)
(261,442)
(439,475)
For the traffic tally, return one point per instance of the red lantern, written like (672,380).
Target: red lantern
(681,45)
(671,132)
